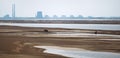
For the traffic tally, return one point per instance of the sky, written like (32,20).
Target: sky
(29,8)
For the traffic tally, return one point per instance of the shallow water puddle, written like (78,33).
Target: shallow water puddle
(77,53)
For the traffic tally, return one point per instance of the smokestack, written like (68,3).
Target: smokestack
(13,10)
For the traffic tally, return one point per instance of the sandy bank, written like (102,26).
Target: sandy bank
(13,41)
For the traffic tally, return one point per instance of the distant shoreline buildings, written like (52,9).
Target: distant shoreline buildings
(39,15)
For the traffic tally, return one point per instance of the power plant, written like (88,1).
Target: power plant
(40,15)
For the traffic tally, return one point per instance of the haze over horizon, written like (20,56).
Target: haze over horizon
(29,8)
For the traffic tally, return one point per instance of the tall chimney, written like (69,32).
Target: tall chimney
(13,10)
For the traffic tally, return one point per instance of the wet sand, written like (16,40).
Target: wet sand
(19,41)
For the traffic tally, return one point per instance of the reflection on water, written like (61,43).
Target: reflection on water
(78,53)
(71,26)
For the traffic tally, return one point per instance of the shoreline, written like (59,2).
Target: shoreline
(100,27)
(116,32)
(64,21)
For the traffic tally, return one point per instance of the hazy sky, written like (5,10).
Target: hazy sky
(61,7)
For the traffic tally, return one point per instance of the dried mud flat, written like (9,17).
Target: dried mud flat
(18,42)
